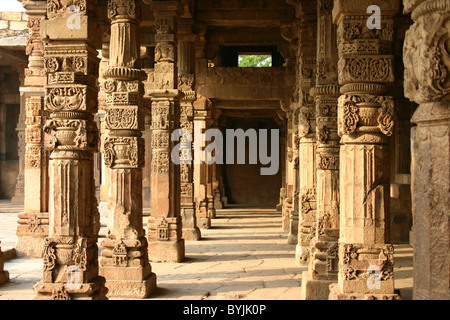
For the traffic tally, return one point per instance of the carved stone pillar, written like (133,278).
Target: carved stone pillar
(102,106)
(202,110)
(186,84)
(19,192)
(124,262)
(427,65)
(293,205)
(365,122)
(33,222)
(287,216)
(4,275)
(217,188)
(71,64)
(211,209)
(307,131)
(323,267)
(164,224)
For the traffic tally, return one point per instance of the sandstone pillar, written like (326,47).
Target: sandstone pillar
(71,64)
(33,222)
(186,84)
(211,209)
(292,206)
(19,195)
(427,65)
(323,267)
(164,224)
(287,214)
(217,188)
(307,131)
(365,122)
(124,262)
(102,106)
(290,33)
(202,110)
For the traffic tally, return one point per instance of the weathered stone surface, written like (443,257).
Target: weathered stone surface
(165,224)
(334,92)
(70,250)
(428,86)
(33,224)
(124,262)
(365,120)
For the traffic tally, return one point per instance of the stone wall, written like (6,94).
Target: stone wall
(13,24)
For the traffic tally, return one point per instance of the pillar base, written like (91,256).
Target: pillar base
(285,223)
(302,255)
(192,234)
(218,204)
(131,289)
(315,289)
(212,213)
(166,251)
(95,290)
(292,239)
(30,246)
(336,294)
(4,277)
(19,200)
(204,223)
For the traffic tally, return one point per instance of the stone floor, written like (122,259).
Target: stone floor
(244,256)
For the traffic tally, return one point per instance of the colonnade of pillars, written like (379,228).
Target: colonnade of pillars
(336,197)
(335,200)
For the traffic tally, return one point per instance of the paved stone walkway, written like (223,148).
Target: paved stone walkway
(244,256)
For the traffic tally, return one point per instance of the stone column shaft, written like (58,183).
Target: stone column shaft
(18,197)
(71,64)
(427,65)
(288,201)
(323,267)
(124,262)
(292,206)
(186,84)
(165,224)
(201,114)
(365,122)
(33,222)
(307,131)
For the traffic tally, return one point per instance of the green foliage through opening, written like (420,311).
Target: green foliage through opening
(255,61)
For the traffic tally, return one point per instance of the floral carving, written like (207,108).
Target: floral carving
(385,119)
(123,152)
(121,118)
(367,69)
(66,99)
(428,41)
(348,116)
(49,255)
(121,8)
(328,161)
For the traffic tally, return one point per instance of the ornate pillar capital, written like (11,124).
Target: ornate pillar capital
(427,41)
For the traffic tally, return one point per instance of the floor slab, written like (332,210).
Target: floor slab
(244,256)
